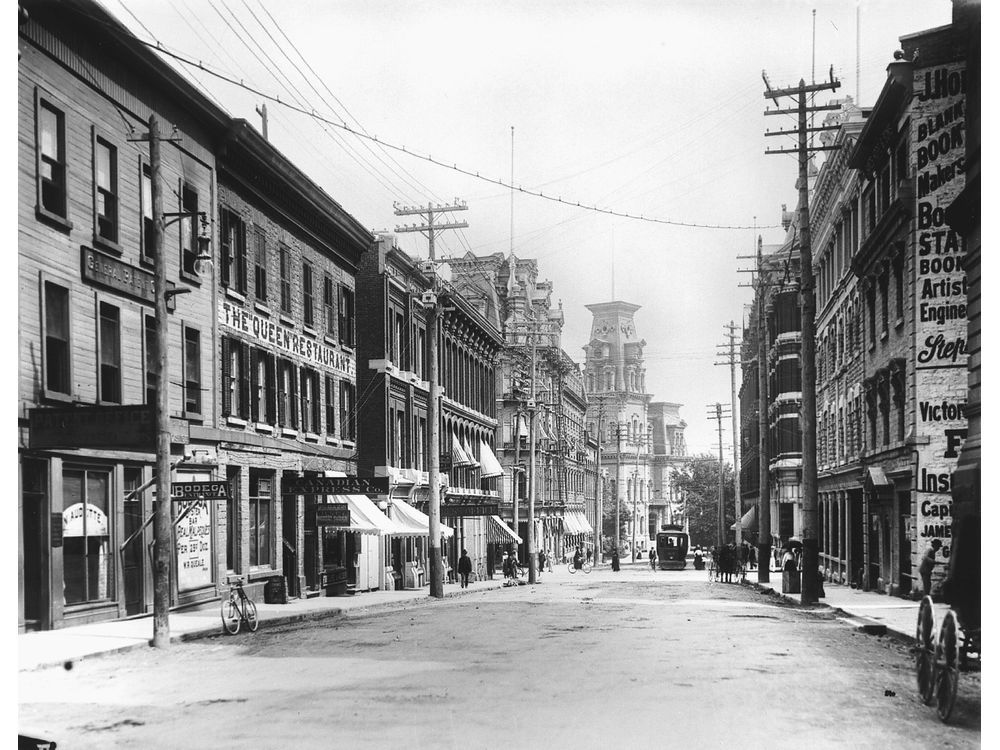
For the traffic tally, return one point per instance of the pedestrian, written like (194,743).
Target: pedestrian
(590,555)
(541,560)
(465,568)
(652,558)
(927,563)
(615,562)
(578,559)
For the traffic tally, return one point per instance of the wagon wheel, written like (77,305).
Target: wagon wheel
(946,666)
(925,650)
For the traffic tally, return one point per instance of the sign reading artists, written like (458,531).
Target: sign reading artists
(938,152)
(278,336)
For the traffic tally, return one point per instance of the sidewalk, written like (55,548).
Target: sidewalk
(56,647)
(872,612)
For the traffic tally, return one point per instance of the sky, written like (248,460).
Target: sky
(652,109)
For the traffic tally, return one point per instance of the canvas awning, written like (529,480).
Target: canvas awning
(416,523)
(574,522)
(459,457)
(585,527)
(366,518)
(490,465)
(498,532)
(749,520)
(469,452)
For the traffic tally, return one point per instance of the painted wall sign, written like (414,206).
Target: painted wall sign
(194,547)
(336,486)
(937,148)
(107,271)
(279,336)
(128,427)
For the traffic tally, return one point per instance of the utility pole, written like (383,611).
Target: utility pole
(262,111)
(807,296)
(731,361)
(618,486)
(720,530)
(599,494)
(532,484)
(432,303)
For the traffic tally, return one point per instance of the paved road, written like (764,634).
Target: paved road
(638,659)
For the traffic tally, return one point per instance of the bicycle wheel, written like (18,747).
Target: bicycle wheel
(250,612)
(946,666)
(925,651)
(587,567)
(570,568)
(230,615)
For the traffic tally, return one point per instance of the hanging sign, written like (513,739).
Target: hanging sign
(199,490)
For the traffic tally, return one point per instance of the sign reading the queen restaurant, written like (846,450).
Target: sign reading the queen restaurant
(278,336)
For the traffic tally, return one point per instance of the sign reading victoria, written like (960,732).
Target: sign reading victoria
(937,133)
(276,335)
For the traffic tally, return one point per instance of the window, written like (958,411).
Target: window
(285,279)
(235,383)
(109,343)
(262,386)
(259,264)
(51,159)
(883,283)
(871,313)
(331,404)
(868,205)
(148,251)
(309,397)
(329,305)
(57,339)
(88,562)
(152,358)
(260,502)
(419,351)
(189,229)
(106,190)
(192,371)
(420,440)
(287,395)
(233,235)
(347,421)
(346,316)
(307,293)
(898,269)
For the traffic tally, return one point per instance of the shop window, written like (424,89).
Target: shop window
(346,316)
(287,395)
(57,339)
(106,190)
(233,237)
(285,279)
(261,502)
(88,562)
(307,294)
(146,201)
(192,371)
(190,228)
(309,397)
(347,416)
(259,264)
(51,139)
(109,343)
(151,355)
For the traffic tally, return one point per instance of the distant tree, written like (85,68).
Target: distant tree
(698,482)
(608,526)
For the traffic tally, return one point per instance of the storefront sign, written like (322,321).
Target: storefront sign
(332,514)
(194,546)
(129,427)
(199,490)
(336,486)
(469,509)
(938,146)
(279,336)
(74,525)
(109,272)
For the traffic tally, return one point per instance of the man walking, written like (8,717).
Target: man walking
(927,563)
(464,568)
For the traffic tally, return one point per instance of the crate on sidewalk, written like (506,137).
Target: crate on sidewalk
(791,582)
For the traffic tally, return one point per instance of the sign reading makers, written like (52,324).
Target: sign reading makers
(125,427)
(336,486)
(333,514)
(199,490)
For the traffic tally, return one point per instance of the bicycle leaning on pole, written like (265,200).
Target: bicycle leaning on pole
(237,608)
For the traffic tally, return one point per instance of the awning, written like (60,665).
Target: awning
(877,481)
(366,518)
(498,532)
(749,520)
(585,526)
(575,522)
(490,465)
(469,452)
(458,456)
(417,523)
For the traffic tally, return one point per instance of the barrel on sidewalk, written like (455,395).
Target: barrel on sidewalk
(791,582)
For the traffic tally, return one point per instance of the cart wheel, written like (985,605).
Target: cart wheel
(946,666)
(925,650)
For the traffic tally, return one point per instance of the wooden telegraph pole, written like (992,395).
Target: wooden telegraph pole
(807,297)
(730,360)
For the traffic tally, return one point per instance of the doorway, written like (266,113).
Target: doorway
(288,544)
(133,569)
(34,498)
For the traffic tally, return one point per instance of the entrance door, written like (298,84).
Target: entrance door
(288,547)
(33,529)
(903,526)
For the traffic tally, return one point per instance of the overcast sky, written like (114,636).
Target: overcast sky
(646,108)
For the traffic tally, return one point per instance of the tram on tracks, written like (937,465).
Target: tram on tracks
(671,547)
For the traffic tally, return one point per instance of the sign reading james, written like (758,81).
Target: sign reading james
(336,486)
(111,273)
(282,337)
(938,147)
(131,427)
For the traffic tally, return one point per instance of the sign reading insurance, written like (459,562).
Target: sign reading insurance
(335,486)
(276,335)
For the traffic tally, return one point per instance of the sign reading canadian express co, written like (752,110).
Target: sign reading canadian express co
(129,427)
(335,486)
(279,336)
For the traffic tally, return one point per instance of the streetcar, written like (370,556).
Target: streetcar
(671,547)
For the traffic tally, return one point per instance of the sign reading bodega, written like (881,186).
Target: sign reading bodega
(282,337)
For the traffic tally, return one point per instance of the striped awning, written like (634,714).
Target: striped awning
(366,518)
(417,523)
(490,465)
(574,522)
(498,532)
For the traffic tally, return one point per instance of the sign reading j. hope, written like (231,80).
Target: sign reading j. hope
(937,146)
